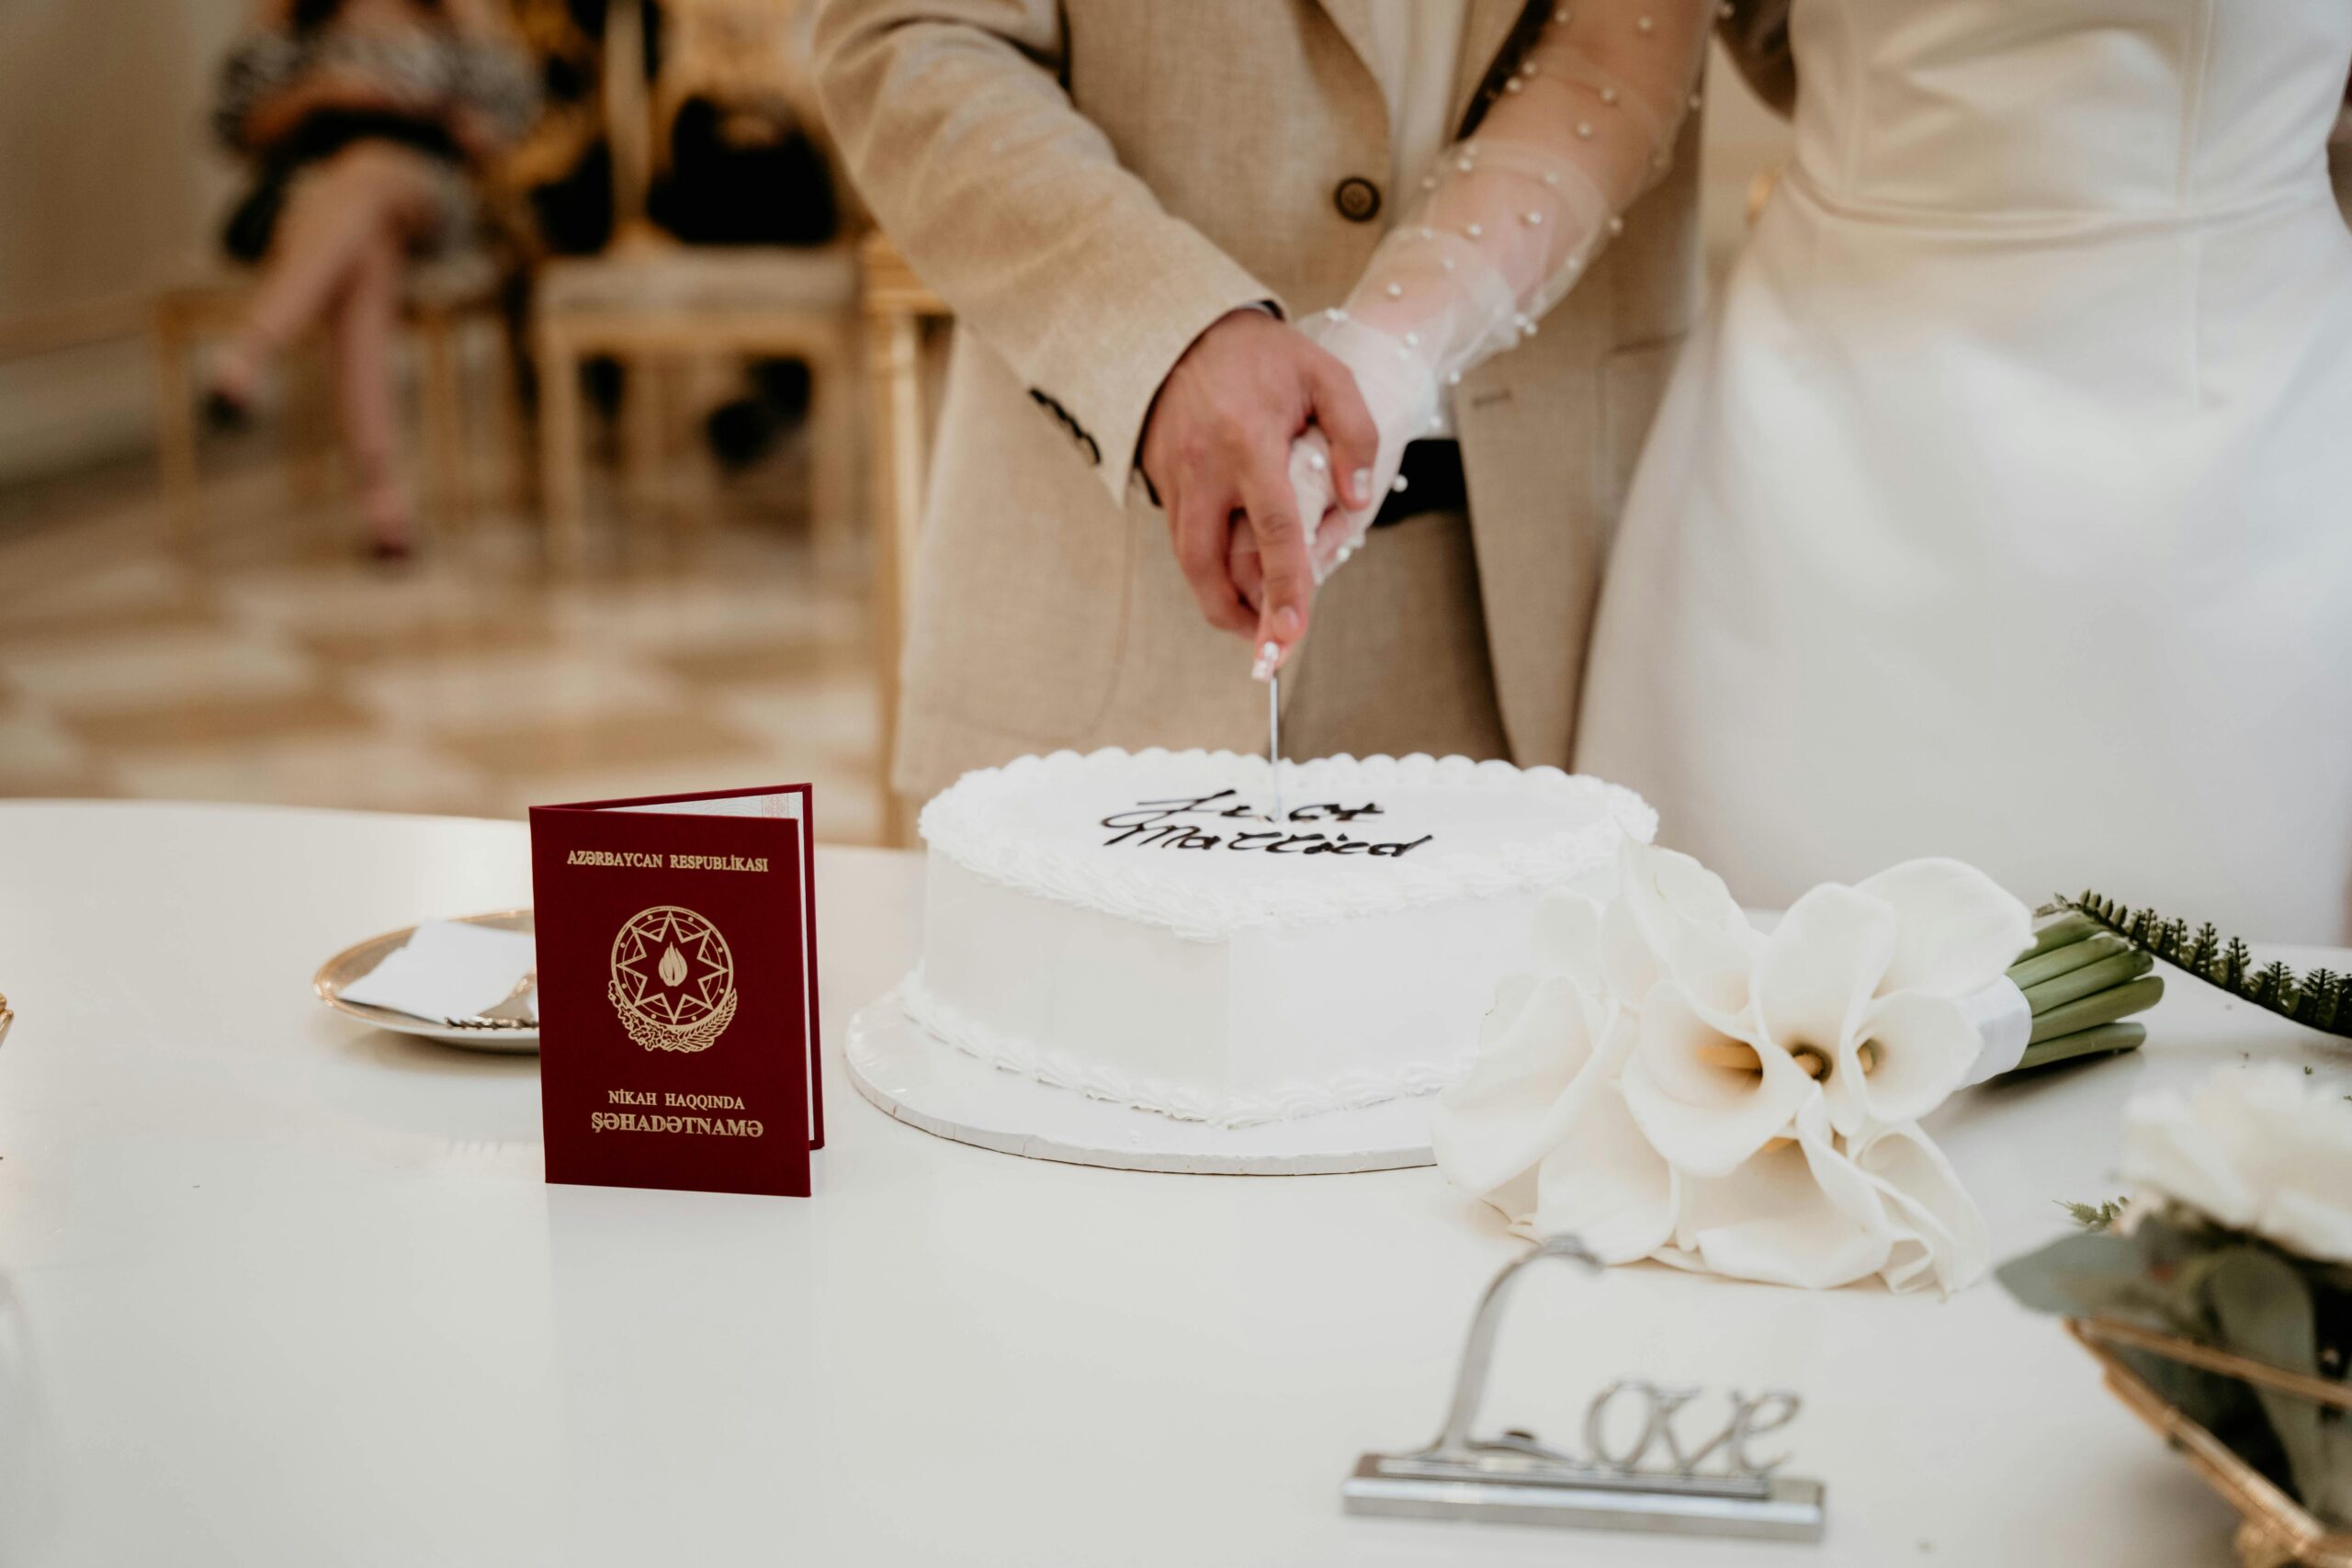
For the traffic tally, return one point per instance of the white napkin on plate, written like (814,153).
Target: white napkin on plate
(450,969)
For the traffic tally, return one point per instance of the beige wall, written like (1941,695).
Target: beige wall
(109,186)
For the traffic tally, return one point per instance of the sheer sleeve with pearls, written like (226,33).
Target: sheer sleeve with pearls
(1506,222)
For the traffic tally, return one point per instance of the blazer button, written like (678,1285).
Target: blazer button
(1357,198)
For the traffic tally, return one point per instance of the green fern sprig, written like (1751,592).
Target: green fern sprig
(2321,999)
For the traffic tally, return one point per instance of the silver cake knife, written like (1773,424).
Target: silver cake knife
(1274,738)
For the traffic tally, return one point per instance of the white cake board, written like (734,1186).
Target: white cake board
(925,1082)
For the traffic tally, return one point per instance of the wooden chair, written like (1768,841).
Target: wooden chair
(654,303)
(442,300)
(898,305)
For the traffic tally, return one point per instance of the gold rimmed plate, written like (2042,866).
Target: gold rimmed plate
(505,1027)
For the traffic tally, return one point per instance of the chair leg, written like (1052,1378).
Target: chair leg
(515,489)
(833,476)
(445,431)
(175,430)
(310,443)
(560,454)
(642,423)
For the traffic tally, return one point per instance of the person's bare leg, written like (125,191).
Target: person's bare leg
(340,208)
(366,320)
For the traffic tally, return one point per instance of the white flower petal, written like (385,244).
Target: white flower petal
(2314,1224)
(1672,890)
(1511,994)
(2265,1148)
(1820,967)
(1627,959)
(1939,1234)
(1606,1185)
(1795,1214)
(1692,928)
(1957,928)
(2167,1153)
(1917,1048)
(1507,1112)
(1567,938)
(1693,1094)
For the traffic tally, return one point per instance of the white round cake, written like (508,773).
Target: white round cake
(1154,929)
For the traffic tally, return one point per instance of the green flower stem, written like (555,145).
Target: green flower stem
(2118,1002)
(2089,980)
(2064,932)
(2028,972)
(2105,1038)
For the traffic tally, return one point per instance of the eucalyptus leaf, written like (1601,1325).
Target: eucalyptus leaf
(2262,1308)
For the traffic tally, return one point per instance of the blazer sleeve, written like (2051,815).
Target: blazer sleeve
(954,123)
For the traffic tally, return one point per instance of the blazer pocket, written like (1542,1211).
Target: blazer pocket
(1632,384)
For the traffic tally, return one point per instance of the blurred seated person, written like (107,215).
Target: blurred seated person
(367,121)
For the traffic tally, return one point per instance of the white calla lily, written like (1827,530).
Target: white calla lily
(1939,1234)
(1542,1051)
(1674,917)
(1818,971)
(1605,1184)
(1956,928)
(1675,1085)
(1826,991)
(1797,1213)
(1705,1098)
(1909,1053)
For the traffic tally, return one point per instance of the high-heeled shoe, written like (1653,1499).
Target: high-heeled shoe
(392,527)
(224,411)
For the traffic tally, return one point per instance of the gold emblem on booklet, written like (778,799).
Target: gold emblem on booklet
(674,979)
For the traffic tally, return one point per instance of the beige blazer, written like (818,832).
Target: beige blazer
(1088,184)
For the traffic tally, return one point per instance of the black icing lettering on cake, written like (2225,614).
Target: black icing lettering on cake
(1159,825)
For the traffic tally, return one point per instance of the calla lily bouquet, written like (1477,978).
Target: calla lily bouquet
(1677,1085)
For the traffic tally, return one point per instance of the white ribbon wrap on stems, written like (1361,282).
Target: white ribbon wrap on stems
(2004,1021)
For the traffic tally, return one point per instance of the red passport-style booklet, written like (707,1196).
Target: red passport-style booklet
(677,944)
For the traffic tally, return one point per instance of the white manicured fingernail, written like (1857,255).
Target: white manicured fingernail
(1264,669)
(1362,479)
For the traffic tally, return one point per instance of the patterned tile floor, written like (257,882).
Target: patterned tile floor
(276,665)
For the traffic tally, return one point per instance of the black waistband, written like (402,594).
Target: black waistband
(1432,475)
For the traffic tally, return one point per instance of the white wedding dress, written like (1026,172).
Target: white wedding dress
(2003,507)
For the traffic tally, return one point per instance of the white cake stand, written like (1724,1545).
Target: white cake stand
(925,1082)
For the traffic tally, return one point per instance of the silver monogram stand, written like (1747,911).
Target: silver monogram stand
(1716,1488)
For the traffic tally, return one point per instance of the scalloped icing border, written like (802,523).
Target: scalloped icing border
(1064,1069)
(953,825)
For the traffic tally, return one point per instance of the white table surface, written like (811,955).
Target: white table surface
(276,1289)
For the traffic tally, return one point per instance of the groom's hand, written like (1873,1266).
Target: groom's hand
(1218,442)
